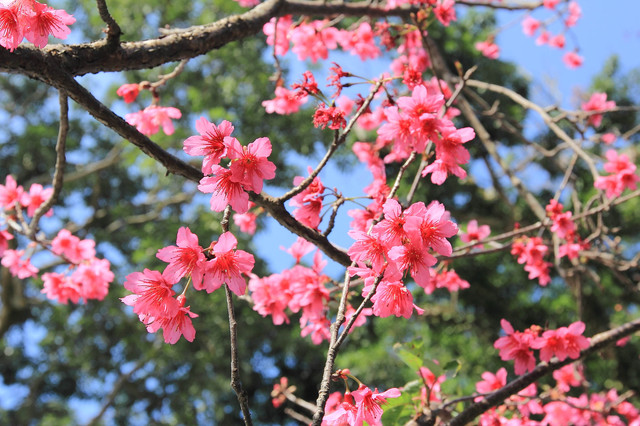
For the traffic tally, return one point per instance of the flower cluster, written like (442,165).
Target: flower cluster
(31,20)
(565,229)
(568,17)
(86,276)
(563,343)
(597,102)
(418,120)
(623,175)
(300,289)
(149,120)
(208,269)
(354,408)
(399,244)
(248,166)
(531,251)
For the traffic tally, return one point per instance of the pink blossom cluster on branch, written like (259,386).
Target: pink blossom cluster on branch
(86,276)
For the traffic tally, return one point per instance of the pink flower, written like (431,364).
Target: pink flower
(18,267)
(129,92)
(10,193)
(60,287)
(574,14)
(227,266)
(286,102)
(318,328)
(248,3)
(475,233)
(488,48)
(567,377)
(368,247)
(72,248)
(516,345)
(45,20)
(176,325)
(369,404)
(360,42)
(393,298)
(187,258)
(550,4)
(572,59)
(448,279)
(608,138)
(492,381)
(332,117)
(4,238)
(530,26)
(277,30)
(557,41)
(11,25)
(562,343)
(597,102)
(93,277)
(271,296)
(309,202)
(149,120)
(210,143)
(432,225)
(246,222)
(224,191)
(313,40)
(413,256)
(299,249)
(445,12)
(249,165)
(152,296)
(35,197)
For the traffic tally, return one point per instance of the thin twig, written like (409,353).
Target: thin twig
(113,29)
(58,175)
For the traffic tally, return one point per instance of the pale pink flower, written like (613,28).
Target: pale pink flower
(360,42)
(249,165)
(210,143)
(277,30)
(18,267)
(608,138)
(530,26)
(318,328)
(368,247)
(149,120)
(60,288)
(550,4)
(270,296)
(93,277)
(35,197)
(246,222)
(299,249)
(313,40)
(488,48)
(432,224)
(475,232)
(286,102)
(44,21)
(129,92)
(572,59)
(187,258)
(448,279)
(492,381)
(445,11)
(597,102)
(227,266)
(72,248)
(557,41)
(575,12)
(567,377)
(10,193)
(248,3)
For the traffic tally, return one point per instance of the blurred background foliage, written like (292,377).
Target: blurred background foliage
(60,364)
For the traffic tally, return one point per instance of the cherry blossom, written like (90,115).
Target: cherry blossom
(152,296)
(187,258)
(475,232)
(210,143)
(227,266)
(18,267)
(597,102)
(370,403)
(129,92)
(249,165)
(224,190)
